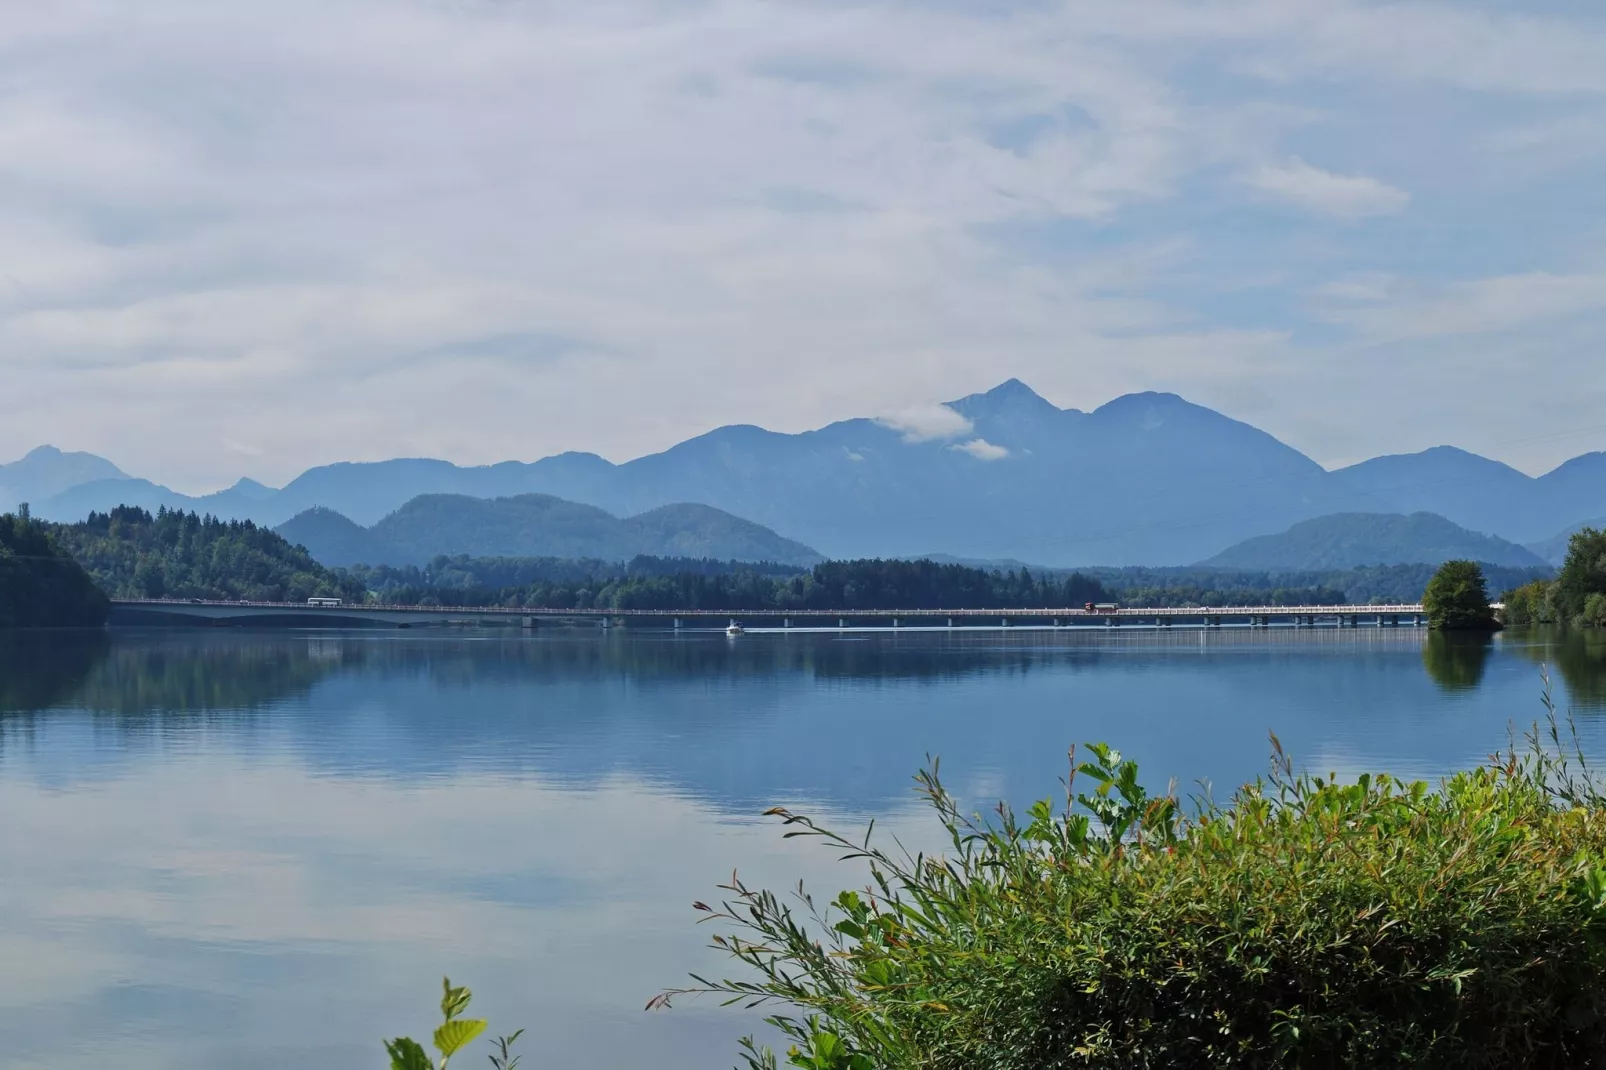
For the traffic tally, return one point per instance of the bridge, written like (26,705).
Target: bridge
(297,614)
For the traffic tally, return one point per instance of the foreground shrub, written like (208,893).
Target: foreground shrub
(1305,923)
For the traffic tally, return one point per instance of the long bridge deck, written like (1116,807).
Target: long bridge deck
(154,610)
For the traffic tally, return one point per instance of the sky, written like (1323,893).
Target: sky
(248,238)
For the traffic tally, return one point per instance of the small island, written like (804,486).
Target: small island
(1457,599)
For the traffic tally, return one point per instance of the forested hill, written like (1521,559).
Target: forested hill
(132,554)
(535,525)
(40,586)
(1352,540)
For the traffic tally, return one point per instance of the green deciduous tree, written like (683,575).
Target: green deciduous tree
(1457,598)
(1583,574)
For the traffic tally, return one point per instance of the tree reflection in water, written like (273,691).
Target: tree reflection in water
(1456,660)
(1578,654)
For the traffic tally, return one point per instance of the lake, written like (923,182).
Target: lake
(263,849)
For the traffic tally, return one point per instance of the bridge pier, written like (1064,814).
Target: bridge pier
(841,622)
(677,624)
(894,622)
(527,622)
(786,622)
(950,622)
(1004,623)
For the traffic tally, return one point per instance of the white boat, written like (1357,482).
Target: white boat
(734,630)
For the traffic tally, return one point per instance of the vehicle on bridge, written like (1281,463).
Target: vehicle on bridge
(1101,607)
(320,601)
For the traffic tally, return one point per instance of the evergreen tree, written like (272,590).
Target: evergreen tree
(41,587)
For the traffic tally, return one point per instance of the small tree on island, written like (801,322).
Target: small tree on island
(1457,599)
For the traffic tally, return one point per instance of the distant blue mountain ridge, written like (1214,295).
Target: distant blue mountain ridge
(1148,479)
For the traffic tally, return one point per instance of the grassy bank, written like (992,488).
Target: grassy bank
(1304,922)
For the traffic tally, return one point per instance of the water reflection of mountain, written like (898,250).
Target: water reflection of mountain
(842,719)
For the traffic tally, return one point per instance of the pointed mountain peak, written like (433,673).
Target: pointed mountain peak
(1012,388)
(1011,396)
(246,487)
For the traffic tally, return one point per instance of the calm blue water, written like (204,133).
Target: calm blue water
(264,849)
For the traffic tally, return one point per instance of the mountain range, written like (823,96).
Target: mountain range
(1145,479)
(535,525)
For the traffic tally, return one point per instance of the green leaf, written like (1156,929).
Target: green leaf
(453,1000)
(457,1033)
(407,1054)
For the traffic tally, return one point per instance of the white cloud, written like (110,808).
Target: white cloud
(303,225)
(1345,196)
(1478,306)
(981,449)
(924,423)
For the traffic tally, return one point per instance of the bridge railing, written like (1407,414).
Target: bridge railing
(1068,612)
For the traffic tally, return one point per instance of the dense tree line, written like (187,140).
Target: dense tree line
(1366,585)
(670,583)
(1577,596)
(40,586)
(557,582)
(681,583)
(174,554)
